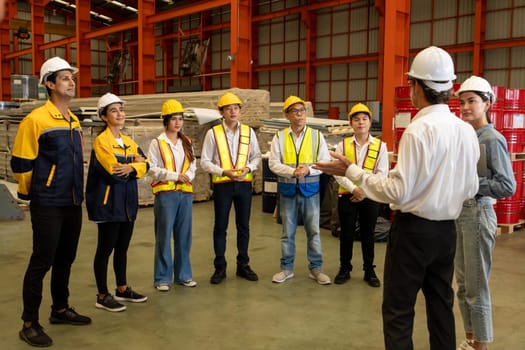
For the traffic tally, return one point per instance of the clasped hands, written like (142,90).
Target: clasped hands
(236,174)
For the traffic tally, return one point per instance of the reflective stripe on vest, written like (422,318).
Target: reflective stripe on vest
(370,162)
(169,163)
(307,155)
(224,152)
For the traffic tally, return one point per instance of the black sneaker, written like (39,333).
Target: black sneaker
(109,303)
(371,278)
(342,276)
(69,316)
(35,335)
(130,295)
(247,273)
(218,276)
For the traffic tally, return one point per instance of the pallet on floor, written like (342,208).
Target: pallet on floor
(509,228)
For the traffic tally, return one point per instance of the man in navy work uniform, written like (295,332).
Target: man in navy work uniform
(48,165)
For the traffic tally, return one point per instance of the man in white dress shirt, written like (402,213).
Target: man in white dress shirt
(435,173)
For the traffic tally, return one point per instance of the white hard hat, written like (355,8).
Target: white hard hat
(478,84)
(107,99)
(53,65)
(434,66)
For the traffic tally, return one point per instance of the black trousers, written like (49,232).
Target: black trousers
(240,194)
(56,231)
(366,212)
(419,256)
(112,236)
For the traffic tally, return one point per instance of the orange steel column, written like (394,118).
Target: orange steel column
(146,48)
(83,21)
(241,44)
(394,44)
(309,18)
(479,37)
(5,65)
(37,33)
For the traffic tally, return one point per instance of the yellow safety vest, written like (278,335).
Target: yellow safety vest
(169,163)
(370,162)
(224,152)
(307,155)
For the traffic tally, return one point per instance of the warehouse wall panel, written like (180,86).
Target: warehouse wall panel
(518,28)
(464,32)
(499,25)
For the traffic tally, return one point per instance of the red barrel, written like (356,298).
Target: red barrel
(508,211)
(509,119)
(517,168)
(500,92)
(496,117)
(515,140)
(515,99)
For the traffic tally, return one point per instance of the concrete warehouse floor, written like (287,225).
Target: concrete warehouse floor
(238,314)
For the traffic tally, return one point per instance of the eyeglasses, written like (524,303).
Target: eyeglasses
(297,111)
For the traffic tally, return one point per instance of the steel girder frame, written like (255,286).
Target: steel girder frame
(394,29)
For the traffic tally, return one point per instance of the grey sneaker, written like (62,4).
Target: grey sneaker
(109,303)
(282,276)
(319,276)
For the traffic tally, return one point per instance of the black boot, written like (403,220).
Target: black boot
(371,278)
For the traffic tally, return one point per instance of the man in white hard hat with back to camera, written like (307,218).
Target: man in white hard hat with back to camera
(48,165)
(435,173)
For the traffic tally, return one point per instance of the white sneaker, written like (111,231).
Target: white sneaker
(319,276)
(282,276)
(465,346)
(163,287)
(190,283)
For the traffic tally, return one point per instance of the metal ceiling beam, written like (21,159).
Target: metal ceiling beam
(302,8)
(187,10)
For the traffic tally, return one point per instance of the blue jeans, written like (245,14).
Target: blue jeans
(173,215)
(476,229)
(291,208)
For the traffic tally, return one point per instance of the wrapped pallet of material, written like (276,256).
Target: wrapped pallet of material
(258,180)
(12,129)
(4,124)
(202,189)
(146,196)
(4,164)
(264,137)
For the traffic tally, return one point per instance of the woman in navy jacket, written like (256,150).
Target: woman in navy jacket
(112,200)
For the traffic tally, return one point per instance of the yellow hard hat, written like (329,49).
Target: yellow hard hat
(228,99)
(291,100)
(171,107)
(359,108)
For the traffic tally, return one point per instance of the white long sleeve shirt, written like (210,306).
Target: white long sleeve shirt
(157,168)
(210,161)
(436,167)
(275,161)
(382,164)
